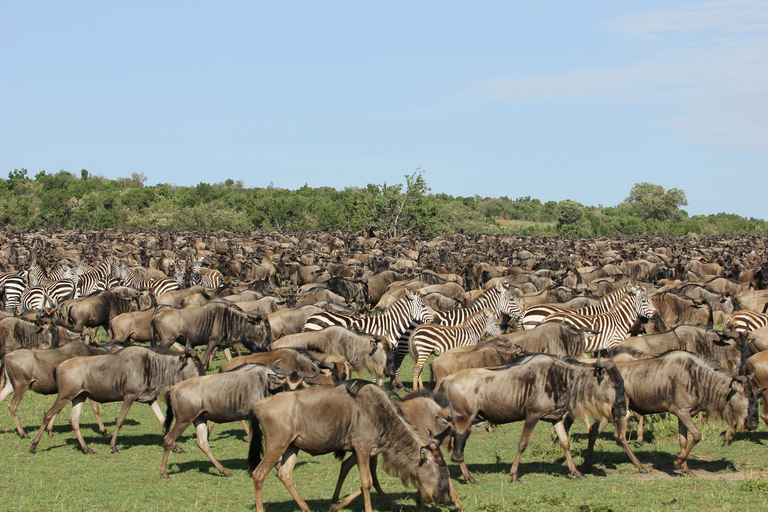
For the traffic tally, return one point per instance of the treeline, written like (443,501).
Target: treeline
(65,200)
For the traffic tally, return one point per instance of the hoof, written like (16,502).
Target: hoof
(643,471)
(24,435)
(226,473)
(91,451)
(32,449)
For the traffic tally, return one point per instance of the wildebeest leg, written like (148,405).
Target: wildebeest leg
(18,394)
(48,418)
(594,431)
(74,421)
(202,442)
(684,425)
(169,441)
(127,403)
(620,434)
(285,474)
(525,436)
(268,461)
(97,413)
(640,428)
(562,436)
(462,427)
(345,467)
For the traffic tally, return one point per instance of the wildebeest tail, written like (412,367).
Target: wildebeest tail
(255,449)
(168,414)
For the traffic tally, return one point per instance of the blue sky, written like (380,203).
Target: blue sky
(553,99)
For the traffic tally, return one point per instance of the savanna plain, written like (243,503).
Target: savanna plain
(61,477)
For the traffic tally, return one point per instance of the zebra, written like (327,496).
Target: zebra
(35,298)
(536,314)
(391,324)
(612,327)
(156,286)
(103,277)
(58,285)
(12,287)
(428,339)
(746,321)
(211,279)
(498,298)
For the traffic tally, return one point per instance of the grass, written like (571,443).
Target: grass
(61,477)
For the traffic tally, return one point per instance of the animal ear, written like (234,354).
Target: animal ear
(499,287)
(423,454)
(410,295)
(737,385)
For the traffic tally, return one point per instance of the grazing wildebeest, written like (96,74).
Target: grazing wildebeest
(215,324)
(95,310)
(33,368)
(533,387)
(362,351)
(429,418)
(132,374)
(221,397)
(355,416)
(684,384)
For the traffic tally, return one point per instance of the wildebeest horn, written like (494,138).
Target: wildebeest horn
(307,375)
(188,350)
(279,371)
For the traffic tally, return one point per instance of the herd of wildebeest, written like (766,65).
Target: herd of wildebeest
(524,329)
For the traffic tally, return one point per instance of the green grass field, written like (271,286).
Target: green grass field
(61,477)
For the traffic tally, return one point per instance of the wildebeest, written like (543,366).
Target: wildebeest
(757,367)
(297,360)
(428,417)
(18,333)
(33,368)
(95,310)
(215,324)
(355,416)
(289,321)
(132,374)
(363,351)
(220,397)
(684,384)
(533,387)
(135,325)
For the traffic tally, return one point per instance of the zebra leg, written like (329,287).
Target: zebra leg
(400,351)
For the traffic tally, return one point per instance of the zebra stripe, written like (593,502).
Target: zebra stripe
(536,314)
(501,300)
(12,286)
(35,298)
(103,277)
(392,324)
(746,321)
(613,326)
(428,339)
(208,278)
(156,286)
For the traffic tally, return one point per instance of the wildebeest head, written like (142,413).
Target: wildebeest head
(191,365)
(741,408)
(291,380)
(434,480)
(383,345)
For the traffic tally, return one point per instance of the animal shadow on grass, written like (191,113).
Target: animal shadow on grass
(532,467)
(324,502)
(125,441)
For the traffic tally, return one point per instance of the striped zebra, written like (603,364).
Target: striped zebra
(156,286)
(498,298)
(12,286)
(35,298)
(536,314)
(208,278)
(428,339)
(612,327)
(391,324)
(102,277)
(58,285)
(746,321)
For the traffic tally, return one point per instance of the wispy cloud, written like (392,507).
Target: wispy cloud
(709,59)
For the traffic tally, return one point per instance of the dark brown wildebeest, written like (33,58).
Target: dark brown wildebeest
(298,361)
(534,387)
(355,416)
(95,310)
(362,351)
(684,384)
(429,418)
(221,397)
(16,333)
(132,374)
(675,309)
(215,324)
(33,368)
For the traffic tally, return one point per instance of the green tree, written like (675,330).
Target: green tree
(649,201)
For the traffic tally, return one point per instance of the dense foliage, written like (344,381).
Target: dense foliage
(64,200)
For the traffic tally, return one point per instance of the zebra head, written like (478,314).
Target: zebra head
(418,309)
(491,322)
(508,303)
(641,302)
